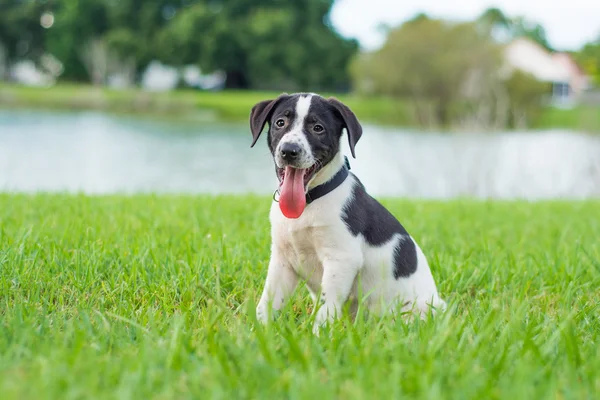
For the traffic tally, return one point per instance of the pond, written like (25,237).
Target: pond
(98,153)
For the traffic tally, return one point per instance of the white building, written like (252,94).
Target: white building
(568,80)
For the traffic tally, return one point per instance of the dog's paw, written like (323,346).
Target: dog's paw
(316,330)
(262,314)
(422,309)
(324,316)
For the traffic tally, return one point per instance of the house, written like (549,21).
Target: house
(578,80)
(567,79)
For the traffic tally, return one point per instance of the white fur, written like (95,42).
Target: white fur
(319,248)
(296,135)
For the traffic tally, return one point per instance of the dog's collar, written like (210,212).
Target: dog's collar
(325,188)
(330,185)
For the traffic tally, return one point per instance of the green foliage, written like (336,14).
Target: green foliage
(527,96)
(262,44)
(589,59)
(530,30)
(272,46)
(153,297)
(429,61)
(76,23)
(454,74)
(493,17)
(494,20)
(20,29)
(123,41)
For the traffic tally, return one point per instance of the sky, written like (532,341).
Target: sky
(568,24)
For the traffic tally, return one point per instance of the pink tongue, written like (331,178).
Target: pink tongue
(292,199)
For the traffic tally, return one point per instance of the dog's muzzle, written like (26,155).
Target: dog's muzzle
(293,155)
(290,152)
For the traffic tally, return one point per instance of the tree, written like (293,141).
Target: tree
(526,96)
(135,26)
(429,61)
(452,73)
(267,44)
(589,59)
(273,44)
(76,38)
(523,28)
(494,17)
(496,23)
(21,34)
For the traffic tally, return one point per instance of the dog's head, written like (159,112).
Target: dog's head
(304,131)
(304,137)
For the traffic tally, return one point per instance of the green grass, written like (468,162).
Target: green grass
(152,297)
(226,105)
(235,105)
(580,118)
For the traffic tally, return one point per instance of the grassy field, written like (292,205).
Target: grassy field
(236,105)
(152,297)
(579,118)
(227,105)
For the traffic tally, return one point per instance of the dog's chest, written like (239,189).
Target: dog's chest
(305,242)
(301,250)
(302,242)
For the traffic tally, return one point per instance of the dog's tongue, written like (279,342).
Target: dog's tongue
(292,199)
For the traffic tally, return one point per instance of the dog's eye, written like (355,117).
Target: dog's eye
(280,123)
(318,128)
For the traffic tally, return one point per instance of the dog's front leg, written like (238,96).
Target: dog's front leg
(280,284)
(338,278)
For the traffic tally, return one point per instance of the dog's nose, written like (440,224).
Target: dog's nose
(290,151)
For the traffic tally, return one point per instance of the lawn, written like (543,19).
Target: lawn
(152,297)
(227,105)
(235,105)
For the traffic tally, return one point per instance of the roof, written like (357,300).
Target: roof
(528,56)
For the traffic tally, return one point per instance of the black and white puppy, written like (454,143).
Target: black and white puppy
(325,228)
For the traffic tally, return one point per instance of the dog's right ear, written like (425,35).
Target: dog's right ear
(259,115)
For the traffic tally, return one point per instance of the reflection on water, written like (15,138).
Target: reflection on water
(97,153)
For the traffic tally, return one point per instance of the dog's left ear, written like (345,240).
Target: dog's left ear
(259,115)
(353,127)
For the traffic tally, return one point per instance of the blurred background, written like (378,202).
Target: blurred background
(477,99)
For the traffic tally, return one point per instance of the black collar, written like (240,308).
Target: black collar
(327,187)
(330,185)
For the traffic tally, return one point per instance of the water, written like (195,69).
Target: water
(97,154)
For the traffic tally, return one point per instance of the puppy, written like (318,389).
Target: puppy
(325,228)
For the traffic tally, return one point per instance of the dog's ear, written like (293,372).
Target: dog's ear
(353,127)
(259,115)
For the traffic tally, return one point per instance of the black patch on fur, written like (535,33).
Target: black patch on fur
(366,216)
(405,258)
(286,109)
(324,145)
